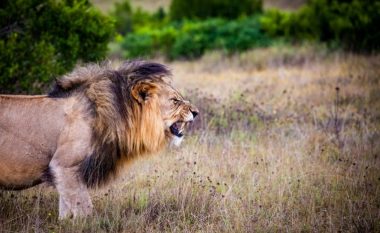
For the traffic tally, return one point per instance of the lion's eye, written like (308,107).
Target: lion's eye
(174,100)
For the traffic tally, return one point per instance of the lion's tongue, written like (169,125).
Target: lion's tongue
(176,129)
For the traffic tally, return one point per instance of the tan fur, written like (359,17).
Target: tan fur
(95,120)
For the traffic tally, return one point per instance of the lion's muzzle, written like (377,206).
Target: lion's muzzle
(177,128)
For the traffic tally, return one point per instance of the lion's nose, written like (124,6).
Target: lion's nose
(194,112)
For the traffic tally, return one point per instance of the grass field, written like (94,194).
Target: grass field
(287,141)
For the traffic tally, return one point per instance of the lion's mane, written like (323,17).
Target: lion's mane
(123,128)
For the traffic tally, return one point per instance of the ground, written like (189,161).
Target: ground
(287,140)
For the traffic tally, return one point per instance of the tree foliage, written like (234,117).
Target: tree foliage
(351,23)
(201,9)
(40,39)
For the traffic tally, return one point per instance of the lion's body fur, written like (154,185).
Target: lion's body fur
(22,144)
(95,120)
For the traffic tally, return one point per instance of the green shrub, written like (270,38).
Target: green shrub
(128,19)
(351,23)
(138,45)
(354,23)
(41,39)
(201,9)
(24,65)
(230,36)
(275,22)
(191,39)
(147,42)
(189,46)
(238,36)
(194,38)
(123,17)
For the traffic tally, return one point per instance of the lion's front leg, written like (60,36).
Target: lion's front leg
(74,199)
(64,211)
(73,146)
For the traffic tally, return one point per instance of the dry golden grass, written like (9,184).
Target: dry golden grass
(277,148)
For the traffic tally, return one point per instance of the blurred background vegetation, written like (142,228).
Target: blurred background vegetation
(40,39)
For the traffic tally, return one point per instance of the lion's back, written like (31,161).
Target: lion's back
(29,128)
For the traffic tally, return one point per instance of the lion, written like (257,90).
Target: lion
(94,121)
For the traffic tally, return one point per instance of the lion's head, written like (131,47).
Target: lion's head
(176,112)
(158,108)
(135,111)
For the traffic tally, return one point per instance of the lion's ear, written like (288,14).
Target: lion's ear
(142,91)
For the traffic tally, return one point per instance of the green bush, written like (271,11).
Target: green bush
(147,42)
(241,35)
(354,23)
(291,26)
(195,37)
(201,9)
(138,45)
(123,17)
(128,19)
(191,39)
(350,23)
(40,39)
(230,36)
(275,23)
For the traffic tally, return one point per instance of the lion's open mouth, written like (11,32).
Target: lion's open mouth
(177,128)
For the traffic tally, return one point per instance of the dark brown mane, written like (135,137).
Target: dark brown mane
(109,93)
(91,73)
